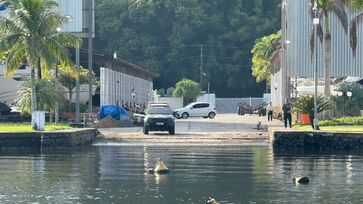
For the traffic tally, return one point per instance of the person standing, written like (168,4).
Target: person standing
(270,110)
(286,108)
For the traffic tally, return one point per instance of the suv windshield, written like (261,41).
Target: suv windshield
(165,110)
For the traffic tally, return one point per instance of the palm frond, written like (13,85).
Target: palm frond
(312,42)
(15,59)
(34,23)
(353,32)
(338,8)
(305,104)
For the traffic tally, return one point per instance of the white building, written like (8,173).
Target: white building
(295,61)
(124,82)
(10,85)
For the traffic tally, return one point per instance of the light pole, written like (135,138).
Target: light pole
(335,94)
(206,77)
(90,52)
(349,94)
(341,94)
(316,23)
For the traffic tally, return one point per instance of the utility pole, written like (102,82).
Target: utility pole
(316,23)
(77,87)
(90,51)
(201,66)
(56,114)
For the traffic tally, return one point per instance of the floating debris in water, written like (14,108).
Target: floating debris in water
(211,200)
(302,180)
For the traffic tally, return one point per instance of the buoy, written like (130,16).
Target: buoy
(303,180)
(211,200)
(161,168)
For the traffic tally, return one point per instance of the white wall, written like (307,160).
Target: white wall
(174,102)
(73,9)
(211,98)
(117,86)
(8,86)
(277,89)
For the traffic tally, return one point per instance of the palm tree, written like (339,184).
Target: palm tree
(47,94)
(29,35)
(338,8)
(324,8)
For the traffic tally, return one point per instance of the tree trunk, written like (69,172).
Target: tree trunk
(39,70)
(34,96)
(50,116)
(327,63)
(311,116)
(70,95)
(327,70)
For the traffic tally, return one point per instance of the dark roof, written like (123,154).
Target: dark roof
(129,68)
(4,108)
(124,66)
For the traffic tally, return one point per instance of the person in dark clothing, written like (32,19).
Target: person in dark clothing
(270,110)
(286,108)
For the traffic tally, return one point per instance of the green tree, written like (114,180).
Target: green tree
(188,89)
(3,56)
(47,95)
(350,105)
(305,104)
(262,51)
(166,36)
(29,34)
(67,78)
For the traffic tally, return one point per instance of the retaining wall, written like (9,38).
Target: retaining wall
(298,140)
(39,140)
(29,140)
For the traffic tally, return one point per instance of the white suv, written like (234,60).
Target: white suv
(196,109)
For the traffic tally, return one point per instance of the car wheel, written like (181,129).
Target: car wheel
(211,115)
(172,131)
(185,115)
(205,117)
(146,131)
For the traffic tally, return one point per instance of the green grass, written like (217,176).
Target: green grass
(26,127)
(345,128)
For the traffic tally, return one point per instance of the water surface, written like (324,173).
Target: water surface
(114,173)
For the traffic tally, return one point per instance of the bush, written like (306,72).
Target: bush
(342,121)
(305,104)
(70,107)
(350,106)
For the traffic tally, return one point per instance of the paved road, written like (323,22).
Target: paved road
(224,123)
(229,128)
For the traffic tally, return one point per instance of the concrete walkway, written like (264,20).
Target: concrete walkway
(224,128)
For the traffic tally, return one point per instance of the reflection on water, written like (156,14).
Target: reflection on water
(109,173)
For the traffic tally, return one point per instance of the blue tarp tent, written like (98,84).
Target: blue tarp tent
(115,111)
(2,7)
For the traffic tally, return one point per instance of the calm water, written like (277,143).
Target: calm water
(114,173)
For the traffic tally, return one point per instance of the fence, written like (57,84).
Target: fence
(230,105)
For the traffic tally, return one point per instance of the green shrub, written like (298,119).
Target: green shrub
(342,121)
(305,104)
